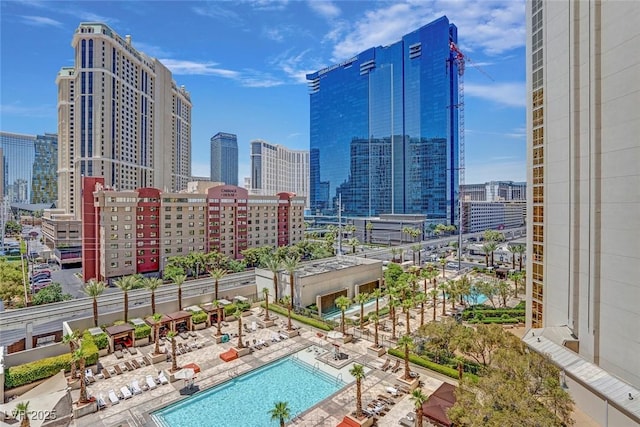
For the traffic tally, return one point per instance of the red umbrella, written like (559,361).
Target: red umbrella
(193,366)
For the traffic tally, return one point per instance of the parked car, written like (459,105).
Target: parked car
(452,265)
(38,286)
(40,267)
(40,275)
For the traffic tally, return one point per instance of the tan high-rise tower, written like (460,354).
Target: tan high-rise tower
(121,116)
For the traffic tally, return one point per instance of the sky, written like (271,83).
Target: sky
(244,64)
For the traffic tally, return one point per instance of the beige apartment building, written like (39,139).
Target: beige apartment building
(120,116)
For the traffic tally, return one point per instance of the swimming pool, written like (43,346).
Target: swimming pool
(247,399)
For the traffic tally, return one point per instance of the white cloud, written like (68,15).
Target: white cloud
(509,94)
(295,66)
(491,26)
(151,50)
(268,4)
(324,8)
(184,67)
(41,21)
(216,11)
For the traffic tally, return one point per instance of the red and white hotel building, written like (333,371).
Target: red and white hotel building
(129,232)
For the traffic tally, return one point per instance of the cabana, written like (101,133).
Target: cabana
(212,310)
(120,336)
(165,324)
(180,321)
(435,409)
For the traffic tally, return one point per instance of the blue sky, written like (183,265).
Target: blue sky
(244,63)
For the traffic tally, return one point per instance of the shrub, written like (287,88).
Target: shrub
(444,370)
(199,317)
(27,373)
(498,320)
(142,331)
(230,309)
(319,324)
(101,340)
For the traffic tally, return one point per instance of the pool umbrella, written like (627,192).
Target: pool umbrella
(194,366)
(185,374)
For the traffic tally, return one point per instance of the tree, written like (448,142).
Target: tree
(407,343)
(287,301)
(439,338)
(421,298)
(52,293)
(361,298)
(11,285)
(273,265)
(373,317)
(12,228)
(407,305)
(238,315)
(74,344)
(519,249)
(357,372)
(265,292)
(22,411)
(342,302)
(487,250)
(480,343)
(157,317)
(394,254)
(353,242)
(174,354)
(418,398)
(516,277)
(78,357)
(369,229)
(503,290)
(219,311)
(217,274)
(94,289)
(443,263)
(178,280)
(493,236)
(280,412)
(393,303)
(433,293)
(291,264)
(444,288)
(125,284)
(491,246)
(416,250)
(487,289)
(151,284)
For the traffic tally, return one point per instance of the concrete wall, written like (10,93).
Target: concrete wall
(33,354)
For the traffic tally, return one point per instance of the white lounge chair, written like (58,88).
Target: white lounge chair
(275,337)
(113,398)
(283,336)
(162,378)
(150,382)
(135,387)
(101,403)
(254,326)
(126,392)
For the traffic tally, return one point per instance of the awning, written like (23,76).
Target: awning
(42,398)
(439,402)
(179,315)
(193,308)
(163,320)
(119,330)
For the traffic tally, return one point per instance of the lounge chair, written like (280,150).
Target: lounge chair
(113,398)
(275,337)
(184,335)
(135,364)
(386,364)
(396,367)
(283,336)
(88,374)
(263,343)
(106,374)
(112,371)
(129,366)
(126,392)
(101,403)
(150,382)
(162,378)
(132,350)
(254,326)
(118,369)
(146,361)
(192,334)
(118,354)
(135,387)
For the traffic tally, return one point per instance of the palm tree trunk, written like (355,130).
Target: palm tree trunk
(95,312)
(434,307)
(422,313)
(444,302)
(240,345)
(419,416)
(375,336)
(282,422)
(289,316)
(83,386)
(406,363)
(291,285)
(219,331)
(513,260)
(72,348)
(362,317)
(216,291)
(393,322)
(486,259)
(342,322)
(180,297)
(153,302)
(358,398)
(408,326)
(126,307)
(174,358)
(275,286)
(520,261)
(156,328)
(266,304)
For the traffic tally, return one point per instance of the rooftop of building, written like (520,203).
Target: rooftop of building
(333,264)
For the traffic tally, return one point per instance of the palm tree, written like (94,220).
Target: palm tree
(94,289)
(287,301)
(418,398)
(433,293)
(443,263)
(265,292)
(421,298)
(416,250)
(375,319)
(516,277)
(238,315)
(72,340)
(178,280)
(487,250)
(519,249)
(291,264)
(274,265)
(157,317)
(444,287)
(126,284)
(174,354)
(218,307)
(217,274)
(369,229)
(357,372)
(407,342)
(377,294)
(353,242)
(79,358)
(151,284)
(407,305)
(22,410)
(342,302)
(491,246)
(280,412)
(393,303)
(361,298)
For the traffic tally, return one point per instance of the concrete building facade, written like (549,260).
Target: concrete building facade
(120,116)
(130,232)
(478,216)
(495,191)
(275,168)
(583,175)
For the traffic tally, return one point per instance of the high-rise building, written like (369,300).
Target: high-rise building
(224,158)
(120,116)
(384,129)
(495,191)
(275,168)
(29,167)
(583,179)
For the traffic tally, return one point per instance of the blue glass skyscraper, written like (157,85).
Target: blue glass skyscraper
(224,158)
(384,129)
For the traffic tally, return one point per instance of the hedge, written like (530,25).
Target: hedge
(142,331)
(199,317)
(417,360)
(302,319)
(27,373)
(101,340)
(466,315)
(497,320)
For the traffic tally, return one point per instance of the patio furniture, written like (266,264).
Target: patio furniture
(101,403)
(118,354)
(88,374)
(129,366)
(162,378)
(117,369)
(126,392)
(386,364)
(132,350)
(113,398)
(396,367)
(150,382)
(135,387)
(135,364)
(105,373)
(184,335)
(146,360)
(112,371)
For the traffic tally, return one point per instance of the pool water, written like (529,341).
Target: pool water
(247,399)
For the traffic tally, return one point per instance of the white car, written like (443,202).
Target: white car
(452,265)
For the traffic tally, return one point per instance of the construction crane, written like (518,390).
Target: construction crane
(460,59)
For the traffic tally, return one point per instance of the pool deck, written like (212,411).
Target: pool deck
(136,410)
